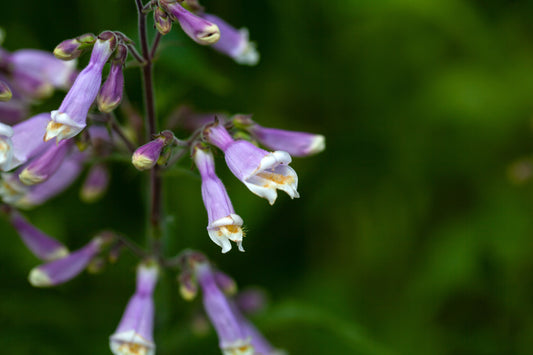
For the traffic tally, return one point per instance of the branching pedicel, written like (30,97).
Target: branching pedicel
(41,156)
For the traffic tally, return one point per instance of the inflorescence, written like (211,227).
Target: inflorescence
(43,155)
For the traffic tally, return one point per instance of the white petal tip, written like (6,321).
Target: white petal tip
(38,278)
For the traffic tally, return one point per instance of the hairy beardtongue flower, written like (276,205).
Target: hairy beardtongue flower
(24,143)
(224,225)
(134,335)
(62,270)
(297,144)
(95,184)
(44,166)
(36,73)
(233,42)
(41,245)
(198,29)
(261,172)
(232,339)
(5,92)
(70,118)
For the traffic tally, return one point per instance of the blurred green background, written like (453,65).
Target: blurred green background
(409,236)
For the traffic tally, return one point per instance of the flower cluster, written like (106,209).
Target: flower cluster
(42,155)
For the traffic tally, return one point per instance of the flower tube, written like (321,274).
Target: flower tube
(224,225)
(233,42)
(62,270)
(41,168)
(232,340)
(41,245)
(36,73)
(134,334)
(297,144)
(25,142)
(262,172)
(199,30)
(70,118)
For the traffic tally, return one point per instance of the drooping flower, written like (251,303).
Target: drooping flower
(110,94)
(134,335)
(297,144)
(43,246)
(262,172)
(41,168)
(36,73)
(224,225)
(232,339)
(70,118)
(19,195)
(25,142)
(62,270)
(233,42)
(95,184)
(199,30)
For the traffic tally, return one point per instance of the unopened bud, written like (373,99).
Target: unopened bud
(162,22)
(111,92)
(73,48)
(96,265)
(147,156)
(188,286)
(5,92)
(95,184)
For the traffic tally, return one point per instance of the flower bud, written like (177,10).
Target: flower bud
(5,92)
(72,48)
(162,22)
(41,245)
(146,156)
(110,94)
(95,184)
(61,270)
(199,30)
(41,168)
(225,282)
(188,285)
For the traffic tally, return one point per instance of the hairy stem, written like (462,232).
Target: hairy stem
(151,128)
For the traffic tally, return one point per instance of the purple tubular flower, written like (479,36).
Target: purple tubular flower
(232,340)
(110,94)
(145,157)
(41,245)
(134,334)
(224,225)
(95,183)
(36,195)
(70,118)
(41,168)
(233,42)
(297,144)
(36,73)
(258,341)
(262,172)
(62,270)
(5,92)
(25,142)
(199,30)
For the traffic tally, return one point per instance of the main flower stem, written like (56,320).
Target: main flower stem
(155,230)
